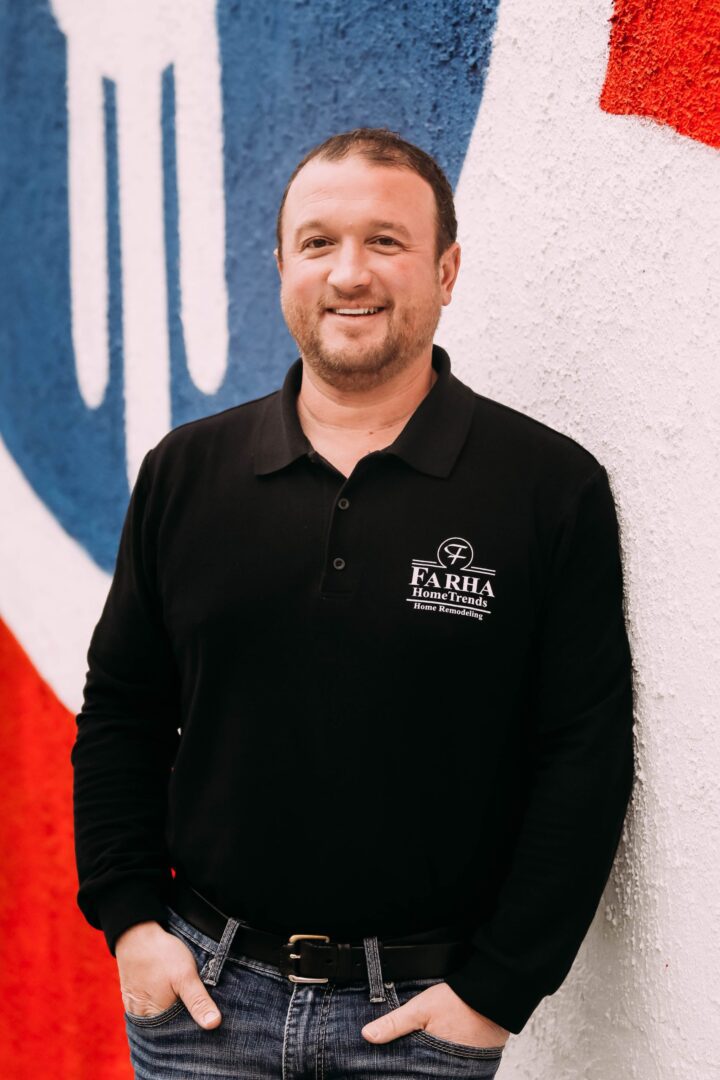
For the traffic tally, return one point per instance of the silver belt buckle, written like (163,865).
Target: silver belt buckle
(297,956)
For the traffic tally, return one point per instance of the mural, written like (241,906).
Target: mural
(143,150)
(113,126)
(144,147)
(665,63)
(131,45)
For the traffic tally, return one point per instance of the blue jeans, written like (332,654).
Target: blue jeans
(274,1029)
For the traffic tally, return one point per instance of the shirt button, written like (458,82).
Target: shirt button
(343,503)
(339,564)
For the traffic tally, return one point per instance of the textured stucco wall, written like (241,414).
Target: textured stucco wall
(665,63)
(589,298)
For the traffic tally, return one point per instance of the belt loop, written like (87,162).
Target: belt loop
(374,967)
(213,968)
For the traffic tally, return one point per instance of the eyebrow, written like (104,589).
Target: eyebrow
(316,223)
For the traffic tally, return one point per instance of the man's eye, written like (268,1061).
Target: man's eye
(385,241)
(315,242)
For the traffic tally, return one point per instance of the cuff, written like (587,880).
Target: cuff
(126,905)
(498,994)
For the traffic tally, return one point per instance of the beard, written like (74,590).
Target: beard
(356,366)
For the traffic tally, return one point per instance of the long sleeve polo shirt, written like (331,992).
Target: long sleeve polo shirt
(365,705)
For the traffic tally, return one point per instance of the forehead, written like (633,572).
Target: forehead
(354,189)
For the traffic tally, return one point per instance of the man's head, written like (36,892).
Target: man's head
(366,225)
(378,146)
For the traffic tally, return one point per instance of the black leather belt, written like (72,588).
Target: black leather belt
(315,958)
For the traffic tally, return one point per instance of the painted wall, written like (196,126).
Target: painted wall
(589,298)
(143,148)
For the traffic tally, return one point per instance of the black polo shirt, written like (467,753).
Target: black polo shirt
(404,697)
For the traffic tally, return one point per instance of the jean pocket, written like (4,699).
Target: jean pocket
(399,993)
(157,1019)
(201,953)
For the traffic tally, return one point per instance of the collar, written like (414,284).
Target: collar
(430,442)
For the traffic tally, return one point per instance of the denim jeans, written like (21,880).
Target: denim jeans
(274,1029)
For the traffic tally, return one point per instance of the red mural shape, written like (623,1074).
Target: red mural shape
(665,63)
(61,1011)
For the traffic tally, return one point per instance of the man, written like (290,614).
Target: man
(362,673)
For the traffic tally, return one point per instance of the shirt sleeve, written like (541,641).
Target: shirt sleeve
(581,776)
(127,736)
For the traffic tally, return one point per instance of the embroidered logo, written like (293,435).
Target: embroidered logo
(451,584)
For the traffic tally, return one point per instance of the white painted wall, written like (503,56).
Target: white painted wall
(589,298)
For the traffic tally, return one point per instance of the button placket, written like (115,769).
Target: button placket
(341,572)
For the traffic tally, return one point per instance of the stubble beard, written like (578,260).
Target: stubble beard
(357,367)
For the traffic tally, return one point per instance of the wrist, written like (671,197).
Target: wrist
(138,935)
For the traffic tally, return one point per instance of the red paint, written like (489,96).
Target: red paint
(665,63)
(60,1006)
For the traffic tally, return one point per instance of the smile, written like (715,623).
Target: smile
(355,312)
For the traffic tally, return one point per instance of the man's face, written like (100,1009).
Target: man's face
(362,287)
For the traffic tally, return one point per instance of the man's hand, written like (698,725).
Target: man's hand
(439,1011)
(155,970)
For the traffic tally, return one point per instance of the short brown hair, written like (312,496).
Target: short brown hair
(384,147)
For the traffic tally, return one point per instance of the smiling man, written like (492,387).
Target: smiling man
(362,295)
(362,681)
(365,271)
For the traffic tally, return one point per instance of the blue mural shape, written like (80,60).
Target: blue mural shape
(292,74)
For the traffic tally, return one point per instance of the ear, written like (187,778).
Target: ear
(448,270)
(278,262)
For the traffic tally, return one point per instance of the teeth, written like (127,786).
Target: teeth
(355,311)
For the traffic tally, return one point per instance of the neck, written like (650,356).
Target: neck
(346,424)
(363,412)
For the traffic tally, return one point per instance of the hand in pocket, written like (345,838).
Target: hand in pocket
(156,969)
(439,1011)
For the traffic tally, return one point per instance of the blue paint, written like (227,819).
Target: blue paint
(293,73)
(179,379)
(72,456)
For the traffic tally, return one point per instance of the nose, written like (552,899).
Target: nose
(349,268)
